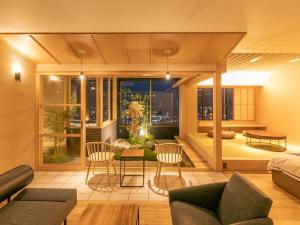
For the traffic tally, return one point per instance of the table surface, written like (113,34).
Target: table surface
(109,214)
(264,134)
(133,153)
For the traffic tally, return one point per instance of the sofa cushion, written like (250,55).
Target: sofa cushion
(33,213)
(187,214)
(241,201)
(68,196)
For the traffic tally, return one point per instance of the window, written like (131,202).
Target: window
(165,102)
(91,107)
(205,103)
(111,98)
(105,99)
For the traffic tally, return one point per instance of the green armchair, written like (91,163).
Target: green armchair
(236,202)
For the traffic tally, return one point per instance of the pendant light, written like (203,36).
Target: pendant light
(81,52)
(167,53)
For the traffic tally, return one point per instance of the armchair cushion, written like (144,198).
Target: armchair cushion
(206,196)
(242,201)
(187,214)
(259,221)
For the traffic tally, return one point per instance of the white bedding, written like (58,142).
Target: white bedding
(286,163)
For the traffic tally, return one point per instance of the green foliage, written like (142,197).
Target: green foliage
(126,98)
(58,121)
(149,155)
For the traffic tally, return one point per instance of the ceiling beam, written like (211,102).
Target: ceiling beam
(200,78)
(156,68)
(184,80)
(44,48)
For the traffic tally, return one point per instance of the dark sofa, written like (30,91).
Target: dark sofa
(236,202)
(32,206)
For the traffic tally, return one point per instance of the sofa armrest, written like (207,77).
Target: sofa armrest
(259,221)
(206,196)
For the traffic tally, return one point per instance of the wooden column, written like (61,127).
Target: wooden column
(217,116)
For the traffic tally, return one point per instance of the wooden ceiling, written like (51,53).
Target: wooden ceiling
(186,48)
(261,61)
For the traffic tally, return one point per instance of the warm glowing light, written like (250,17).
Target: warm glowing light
(168,76)
(255,59)
(240,78)
(81,77)
(142,132)
(295,60)
(54,78)
(16,66)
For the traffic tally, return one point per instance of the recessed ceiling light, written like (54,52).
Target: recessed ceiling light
(54,78)
(295,60)
(255,59)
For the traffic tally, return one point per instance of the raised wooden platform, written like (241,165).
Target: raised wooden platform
(236,154)
(236,126)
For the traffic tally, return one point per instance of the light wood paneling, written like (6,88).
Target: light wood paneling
(57,44)
(147,48)
(265,61)
(244,104)
(26,45)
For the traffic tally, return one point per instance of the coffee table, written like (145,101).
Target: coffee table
(265,135)
(110,214)
(128,155)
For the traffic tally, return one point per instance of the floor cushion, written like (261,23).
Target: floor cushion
(225,134)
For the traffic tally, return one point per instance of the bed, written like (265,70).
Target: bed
(285,170)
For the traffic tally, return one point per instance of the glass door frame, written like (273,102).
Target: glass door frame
(39,121)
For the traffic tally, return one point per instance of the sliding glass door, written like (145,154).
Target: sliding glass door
(61,123)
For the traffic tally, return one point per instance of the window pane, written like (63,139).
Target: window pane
(131,90)
(105,99)
(91,109)
(111,98)
(228,104)
(208,103)
(200,103)
(53,90)
(165,102)
(75,91)
(61,150)
(60,120)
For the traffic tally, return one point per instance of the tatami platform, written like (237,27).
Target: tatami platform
(237,155)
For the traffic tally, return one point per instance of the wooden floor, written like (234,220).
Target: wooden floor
(285,209)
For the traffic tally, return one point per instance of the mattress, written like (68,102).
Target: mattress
(286,163)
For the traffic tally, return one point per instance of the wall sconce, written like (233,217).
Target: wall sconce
(17,71)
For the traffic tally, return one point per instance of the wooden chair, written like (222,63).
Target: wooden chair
(168,153)
(99,152)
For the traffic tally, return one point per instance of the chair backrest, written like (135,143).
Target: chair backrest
(169,152)
(99,151)
(242,201)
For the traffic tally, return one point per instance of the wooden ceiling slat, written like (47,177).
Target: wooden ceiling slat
(99,50)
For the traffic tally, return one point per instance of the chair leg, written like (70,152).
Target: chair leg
(94,168)
(87,174)
(113,162)
(157,169)
(107,168)
(179,169)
